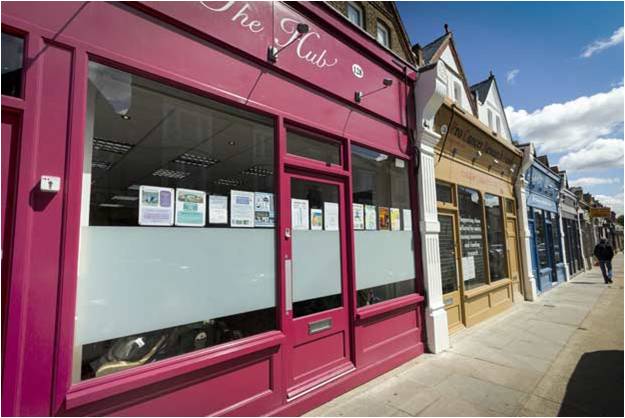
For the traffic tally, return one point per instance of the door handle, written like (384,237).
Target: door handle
(288,287)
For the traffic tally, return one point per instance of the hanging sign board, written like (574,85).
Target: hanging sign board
(600,212)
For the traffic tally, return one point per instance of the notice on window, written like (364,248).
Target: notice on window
(241,209)
(331,213)
(217,209)
(264,214)
(316,219)
(190,207)
(384,219)
(468,268)
(156,206)
(371,218)
(395,219)
(299,214)
(407,219)
(359,215)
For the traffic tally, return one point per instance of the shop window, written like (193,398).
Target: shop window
(328,152)
(447,248)
(541,239)
(12,65)
(382,34)
(471,238)
(496,238)
(382,219)
(444,193)
(316,252)
(355,14)
(177,241)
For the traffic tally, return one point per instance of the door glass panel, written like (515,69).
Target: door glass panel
(496,238)
(317,149)
(316,247)
(447,247)
(471,237)
(12,65)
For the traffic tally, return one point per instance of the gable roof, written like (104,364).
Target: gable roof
(482,88)
(433,51)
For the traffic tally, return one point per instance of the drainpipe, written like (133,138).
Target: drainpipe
(520,186)
(430,90)
(567,273)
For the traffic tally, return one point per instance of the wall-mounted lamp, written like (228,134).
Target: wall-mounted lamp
(387,82)
(454,152)
(272,51)
(478,154)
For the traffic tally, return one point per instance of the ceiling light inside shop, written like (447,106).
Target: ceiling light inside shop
(102,165)
(127,198)
(227,182)
(172,174)
(133,187)
(110,205)
(115,147)
(196,160)
(258,171)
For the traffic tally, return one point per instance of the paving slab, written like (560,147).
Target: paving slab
(561,355)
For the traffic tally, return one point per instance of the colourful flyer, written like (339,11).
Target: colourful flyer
(359,215)
(407,220)
(190,207)
(371,218)
(395,219)
(241,209)
(316,219)
(156,206)
(264,214)
(384,221)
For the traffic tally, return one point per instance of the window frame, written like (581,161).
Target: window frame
(359,11)
(381,27)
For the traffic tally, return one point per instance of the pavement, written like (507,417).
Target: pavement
(561,355)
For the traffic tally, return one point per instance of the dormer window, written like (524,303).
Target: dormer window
(490,119)
(457,92)
(354,14)
(382,34)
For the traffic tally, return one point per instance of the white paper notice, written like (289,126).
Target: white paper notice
(299,214)
(217,209)
(468,268)
(190,207)
(316,219)
(359,215)
(331,213)
(241,209)
(407,219)
(264,212)
(156,206)
(371,218)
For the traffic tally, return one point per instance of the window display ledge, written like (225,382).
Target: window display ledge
(94,390)
(388,306)
(486,288)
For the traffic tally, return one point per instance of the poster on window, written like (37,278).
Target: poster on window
(241,209)
(156,206)
(264,214)
(407,219)
(190,207)
(331,214)
(371,218)
(217,209)
(468,268)
(395,219)
(316,219)
(359,215)
(384,219)
(299,214)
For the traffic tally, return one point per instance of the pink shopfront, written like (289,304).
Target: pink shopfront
(208,208)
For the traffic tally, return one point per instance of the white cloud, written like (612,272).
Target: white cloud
(601,44)
(601,154)
(593,181)
(572,125)
(511,75)
(615,202)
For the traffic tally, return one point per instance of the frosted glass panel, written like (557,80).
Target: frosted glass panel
(137,279)
(383,257)
(316,264)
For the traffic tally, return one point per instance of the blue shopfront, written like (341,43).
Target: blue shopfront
(544,226)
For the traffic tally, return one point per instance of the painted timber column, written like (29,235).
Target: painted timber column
(580,213)
(529,281)
(567,272)
(430,91)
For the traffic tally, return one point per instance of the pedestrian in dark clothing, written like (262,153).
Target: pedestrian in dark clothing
(604,253)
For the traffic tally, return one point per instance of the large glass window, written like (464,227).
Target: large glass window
(328,152)
(555,237)
(496,237)
(471,237)
(541,239)
(382,220)
(12,65)
(444,192)
(447,249)
(177,245)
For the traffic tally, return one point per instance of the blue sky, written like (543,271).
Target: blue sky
(566,64)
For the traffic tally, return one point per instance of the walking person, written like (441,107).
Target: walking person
(604,254)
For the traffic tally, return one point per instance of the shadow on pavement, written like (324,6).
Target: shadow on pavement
(596,386)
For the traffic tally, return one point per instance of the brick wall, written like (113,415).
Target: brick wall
(375,11)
